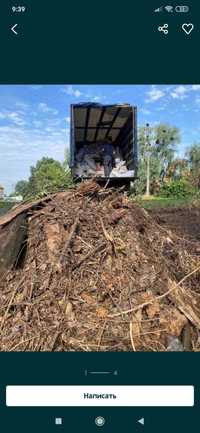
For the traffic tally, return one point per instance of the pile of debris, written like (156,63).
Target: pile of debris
(92,271)
(120,169)
(90,168)
(89,163)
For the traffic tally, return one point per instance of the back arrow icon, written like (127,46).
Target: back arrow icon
(141,421)
(13,29)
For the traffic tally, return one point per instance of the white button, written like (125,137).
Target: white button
(100,396)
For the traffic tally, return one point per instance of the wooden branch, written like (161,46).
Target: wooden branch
(88,255)
(69,239)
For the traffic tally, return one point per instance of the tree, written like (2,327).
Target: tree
(194,163)
(47,176)
(166,139)
(178,169)
(21,188)
(156,151)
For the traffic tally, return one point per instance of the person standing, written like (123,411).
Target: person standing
(108,151)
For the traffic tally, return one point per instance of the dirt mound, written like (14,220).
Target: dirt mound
(97,273)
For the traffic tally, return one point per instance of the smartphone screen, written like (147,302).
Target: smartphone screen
(99,216)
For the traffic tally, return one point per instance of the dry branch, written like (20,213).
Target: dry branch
(145,304)
(69,239)
(44,308)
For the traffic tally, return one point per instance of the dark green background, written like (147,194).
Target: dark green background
(68,368)
(98,42)
(105,41)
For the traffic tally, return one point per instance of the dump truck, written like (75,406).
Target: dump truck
(94,125)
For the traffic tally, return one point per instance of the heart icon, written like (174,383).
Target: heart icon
(187,28)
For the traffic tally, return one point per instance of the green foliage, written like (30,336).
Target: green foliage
(161,148)
(47,176)
(166,202)
(194,163)
(178,169)
(177,188)
(5,207)
(21,188)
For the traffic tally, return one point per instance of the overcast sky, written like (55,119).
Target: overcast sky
(34,119)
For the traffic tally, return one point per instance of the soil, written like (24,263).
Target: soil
(99,273)
(185,221)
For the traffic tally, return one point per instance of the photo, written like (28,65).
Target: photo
(100,218)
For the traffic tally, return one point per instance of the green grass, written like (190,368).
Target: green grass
(161,202)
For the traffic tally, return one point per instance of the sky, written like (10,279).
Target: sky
(35,119)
